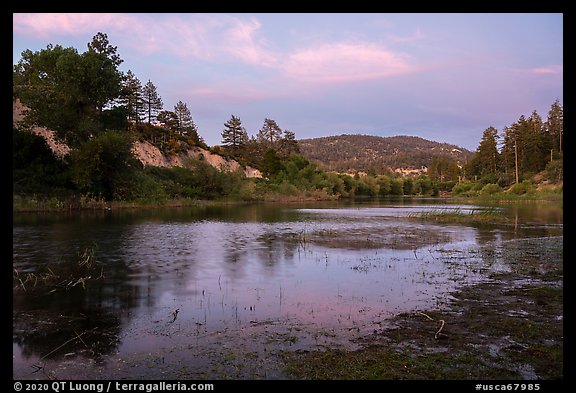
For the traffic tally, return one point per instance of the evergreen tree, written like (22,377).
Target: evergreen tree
(102,62)
(536,146)
(289,144)
(234,135)
(168,120)
(555,126)
(486,160)
(131,96)
(509,149)
(271,163)
(101,45)
(184,117)
(443,169)
(192,132)
(524,147)
(151,100)
(270,133)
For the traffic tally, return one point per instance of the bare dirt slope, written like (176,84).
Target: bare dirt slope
(147,153)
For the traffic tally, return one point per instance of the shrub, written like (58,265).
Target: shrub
(490,189)
(522,188)
(462,187)
(554,171)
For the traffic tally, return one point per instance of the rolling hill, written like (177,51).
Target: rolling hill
(355,152)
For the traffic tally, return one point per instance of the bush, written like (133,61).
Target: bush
(490,189)
(104,165)
(522,188)
(35,169)
(505,180)
(477,187)
(423,186)
(462,187)
(489,178)
(554,171)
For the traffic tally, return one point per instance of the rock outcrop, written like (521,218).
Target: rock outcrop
(146,152)
(149,154)
(18,113)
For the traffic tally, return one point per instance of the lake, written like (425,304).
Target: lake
(218,292)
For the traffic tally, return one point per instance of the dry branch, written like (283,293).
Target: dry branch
(442,323)
(427,316)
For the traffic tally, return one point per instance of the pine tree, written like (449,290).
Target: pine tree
(270,133)
(184,117)
(555,126)
(101,45)
(192,131)
(168,120)
(289,144)
(486,160)
(104,62)
(536,147)
(131,96)
(234,135)
(151,100)
(509,148)
(443,168)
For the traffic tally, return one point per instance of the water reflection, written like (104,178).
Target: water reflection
(227,268)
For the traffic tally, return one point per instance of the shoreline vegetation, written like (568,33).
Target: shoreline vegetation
(39,203)
(114,145)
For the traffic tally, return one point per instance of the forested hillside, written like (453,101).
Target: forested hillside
(351,153)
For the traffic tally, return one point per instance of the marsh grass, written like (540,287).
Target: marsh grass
(485,215)
(62,276)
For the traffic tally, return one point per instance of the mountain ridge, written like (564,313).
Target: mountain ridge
(361,152)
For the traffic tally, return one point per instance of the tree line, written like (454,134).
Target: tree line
(100,111)
(526,147)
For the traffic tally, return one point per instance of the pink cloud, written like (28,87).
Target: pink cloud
(49,24)
(344,62)
(417,36)
(241,41)
(232,92)
(553,69)
(223,38)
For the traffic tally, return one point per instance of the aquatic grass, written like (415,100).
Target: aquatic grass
(61,276)
(484,215)
(32,279)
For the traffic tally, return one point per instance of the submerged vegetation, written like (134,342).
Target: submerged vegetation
(61,276)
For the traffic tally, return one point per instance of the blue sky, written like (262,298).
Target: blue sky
(443,77)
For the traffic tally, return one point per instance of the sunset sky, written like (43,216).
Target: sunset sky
(443,77)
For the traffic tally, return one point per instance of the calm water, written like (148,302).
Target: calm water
(330,267)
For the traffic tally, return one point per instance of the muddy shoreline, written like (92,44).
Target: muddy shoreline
(508,328)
